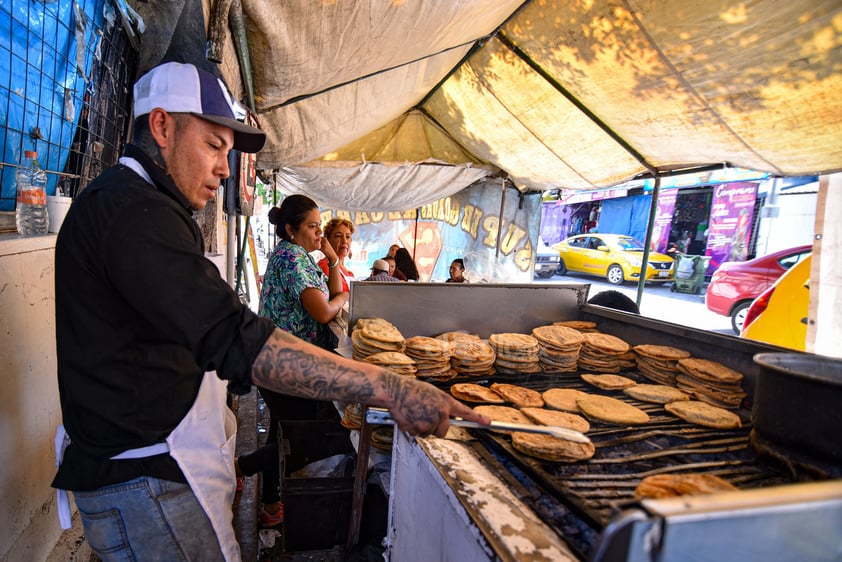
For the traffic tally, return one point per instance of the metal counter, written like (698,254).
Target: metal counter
(450,500)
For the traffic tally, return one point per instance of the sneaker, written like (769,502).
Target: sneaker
(267,519)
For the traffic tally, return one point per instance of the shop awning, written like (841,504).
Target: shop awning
(575,95)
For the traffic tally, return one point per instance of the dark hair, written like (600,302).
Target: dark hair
(460,261)
(143,139)
(614,299)
(293,210)
(403,261)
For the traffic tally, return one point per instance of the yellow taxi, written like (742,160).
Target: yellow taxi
(616,257)
(779,315)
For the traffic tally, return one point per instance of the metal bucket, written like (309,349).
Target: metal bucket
(798,403)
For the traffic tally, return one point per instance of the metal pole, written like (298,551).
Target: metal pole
(644,266)
(500,220)
(232,250)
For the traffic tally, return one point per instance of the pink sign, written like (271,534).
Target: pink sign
(663,220)
(731,218)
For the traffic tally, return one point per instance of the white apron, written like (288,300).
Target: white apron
(203,446)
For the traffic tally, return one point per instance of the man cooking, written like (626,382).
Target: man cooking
(148,334)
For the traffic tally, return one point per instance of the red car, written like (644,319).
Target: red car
(735,284)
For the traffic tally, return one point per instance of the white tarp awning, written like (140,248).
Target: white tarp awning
(556,94)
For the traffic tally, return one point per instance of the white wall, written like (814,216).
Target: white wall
(29,402)
(29,405)
(792,227)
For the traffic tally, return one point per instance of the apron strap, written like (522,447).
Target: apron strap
(142,452)
(62,440)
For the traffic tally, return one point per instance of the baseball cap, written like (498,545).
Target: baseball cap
(381,265)
(185,88)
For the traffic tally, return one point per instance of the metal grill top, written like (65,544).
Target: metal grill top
(580,498)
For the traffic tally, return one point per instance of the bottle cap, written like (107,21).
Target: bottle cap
(30,153)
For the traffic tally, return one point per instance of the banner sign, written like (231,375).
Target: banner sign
(731,217)
(465,225)
(663,220)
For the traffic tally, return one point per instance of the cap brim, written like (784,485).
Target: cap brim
(246,138)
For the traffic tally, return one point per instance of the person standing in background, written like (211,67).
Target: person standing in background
(339,233)
(688,242)
(393,269)
(405,264)
(457,271)
(380,272)
(300,299)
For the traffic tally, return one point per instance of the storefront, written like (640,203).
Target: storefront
(716,214)
(574,213)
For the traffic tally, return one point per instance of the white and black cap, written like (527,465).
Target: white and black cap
(184,88)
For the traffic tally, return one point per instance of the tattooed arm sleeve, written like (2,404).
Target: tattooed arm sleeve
(292,366)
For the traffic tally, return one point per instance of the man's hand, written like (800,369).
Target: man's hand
(422,409)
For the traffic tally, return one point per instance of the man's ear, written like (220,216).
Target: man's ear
(160,125)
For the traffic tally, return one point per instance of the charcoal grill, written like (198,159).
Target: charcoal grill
(580,500)
(591,505)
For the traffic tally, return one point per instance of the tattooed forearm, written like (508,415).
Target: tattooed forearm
(290,366)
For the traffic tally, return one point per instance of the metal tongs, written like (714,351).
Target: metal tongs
(379,416)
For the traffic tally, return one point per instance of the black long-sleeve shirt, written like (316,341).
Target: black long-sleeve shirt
(141,314)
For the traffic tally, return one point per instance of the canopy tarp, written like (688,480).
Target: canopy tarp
(557,94)
(412,163)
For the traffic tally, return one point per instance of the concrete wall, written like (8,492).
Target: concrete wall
(29,401)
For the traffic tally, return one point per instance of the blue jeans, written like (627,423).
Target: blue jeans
(147,519)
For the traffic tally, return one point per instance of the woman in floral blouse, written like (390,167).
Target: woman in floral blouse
(296,294)
(301,300)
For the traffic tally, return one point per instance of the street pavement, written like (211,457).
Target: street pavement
(658,302)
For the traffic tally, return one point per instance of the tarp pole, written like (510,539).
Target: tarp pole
(500,220)
(644,266)
(235,18)
(231,250)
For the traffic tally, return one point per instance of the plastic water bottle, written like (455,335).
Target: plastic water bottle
(31,203)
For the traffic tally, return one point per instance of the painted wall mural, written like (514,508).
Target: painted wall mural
(466,225)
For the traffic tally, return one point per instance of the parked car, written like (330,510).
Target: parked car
(617,257)
(546,260)
(779,315)
(734,285)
